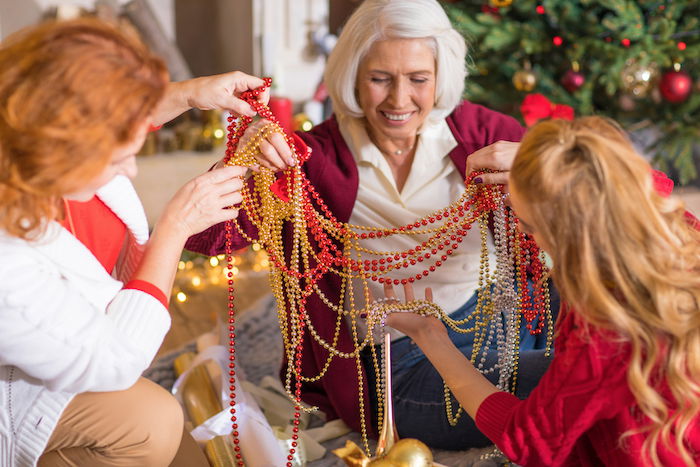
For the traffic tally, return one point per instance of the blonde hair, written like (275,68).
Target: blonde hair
(70,93)
(376,20)
(625,259)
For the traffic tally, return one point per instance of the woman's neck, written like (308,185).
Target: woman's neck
(399,154)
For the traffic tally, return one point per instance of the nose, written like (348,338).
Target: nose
(399,95)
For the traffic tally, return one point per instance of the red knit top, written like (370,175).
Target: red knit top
(102,232)
(578,411)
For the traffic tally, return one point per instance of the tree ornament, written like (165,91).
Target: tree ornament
(525,80)
(409,453)
(573,79)
(676,85)
(637,78)
(501,3)
(302,122)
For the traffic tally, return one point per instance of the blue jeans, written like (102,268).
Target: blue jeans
(419,400)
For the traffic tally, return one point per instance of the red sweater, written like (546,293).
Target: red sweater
(578,411)
(102,232)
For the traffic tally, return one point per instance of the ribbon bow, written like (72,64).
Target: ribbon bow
(536,107)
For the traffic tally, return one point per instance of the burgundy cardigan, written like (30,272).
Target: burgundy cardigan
(579,409)
(332,170)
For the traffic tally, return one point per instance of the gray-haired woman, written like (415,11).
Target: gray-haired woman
(398,148)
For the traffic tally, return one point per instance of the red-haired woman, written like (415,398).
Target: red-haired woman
(83,290)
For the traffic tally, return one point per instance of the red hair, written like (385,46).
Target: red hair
(70,93)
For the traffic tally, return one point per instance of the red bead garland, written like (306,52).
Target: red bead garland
(439,248)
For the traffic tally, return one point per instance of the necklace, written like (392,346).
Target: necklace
(66,207)
(321,246)
(396,152)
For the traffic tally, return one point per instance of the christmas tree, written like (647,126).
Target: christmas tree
(637,62)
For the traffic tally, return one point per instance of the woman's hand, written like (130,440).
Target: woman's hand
(275,153)
(498,156)
(204,201)
(217,92)
(413,324)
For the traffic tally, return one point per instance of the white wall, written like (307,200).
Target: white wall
(283,30)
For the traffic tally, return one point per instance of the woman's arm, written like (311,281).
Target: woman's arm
(201,203)
(208,92)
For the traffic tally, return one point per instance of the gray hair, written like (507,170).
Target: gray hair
(376,20)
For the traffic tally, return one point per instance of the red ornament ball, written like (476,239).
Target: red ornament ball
(557,40)
(572,80)
(625,42)
(540,10)
(675,86)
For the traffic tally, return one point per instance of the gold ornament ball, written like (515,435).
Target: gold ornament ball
(524,80)
(381,462)
(638,80)
(410,453)
(302,122)
(501,3)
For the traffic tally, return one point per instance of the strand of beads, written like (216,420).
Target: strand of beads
(322,245)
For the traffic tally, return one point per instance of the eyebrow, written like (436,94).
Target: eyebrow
(409,73)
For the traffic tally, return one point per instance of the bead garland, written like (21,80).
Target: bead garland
(270,202)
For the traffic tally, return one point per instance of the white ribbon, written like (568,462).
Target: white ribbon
(259,445)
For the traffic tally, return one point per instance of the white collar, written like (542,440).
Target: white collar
(435,138)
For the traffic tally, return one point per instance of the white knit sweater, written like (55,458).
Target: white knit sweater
(67,327)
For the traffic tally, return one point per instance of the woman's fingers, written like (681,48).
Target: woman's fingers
(408,292)
(429,294)
(389,291)
(270,155)
(283,150)
(497,157)
(500,178)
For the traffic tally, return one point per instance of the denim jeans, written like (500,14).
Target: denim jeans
(418,391)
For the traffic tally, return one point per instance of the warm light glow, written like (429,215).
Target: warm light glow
(196,281)
(181,297)
(234,270)
(181,265)
(265,263)
(221,257)
(189,265)
(218,133)
(307,125)
(256,247)
(214,261)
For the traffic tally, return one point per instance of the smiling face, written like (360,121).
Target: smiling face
(122,162)
(396,88)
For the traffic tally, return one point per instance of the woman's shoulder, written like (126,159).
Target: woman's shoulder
(475,121)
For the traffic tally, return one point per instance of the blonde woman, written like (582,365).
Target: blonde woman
(624,385)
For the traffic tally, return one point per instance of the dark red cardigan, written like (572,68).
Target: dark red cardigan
(332,170)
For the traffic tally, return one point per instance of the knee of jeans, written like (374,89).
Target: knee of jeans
(162,430)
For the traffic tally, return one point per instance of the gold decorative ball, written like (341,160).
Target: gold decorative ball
(501,3)
(637,79)
(524,80)
(381,462)
(410,453)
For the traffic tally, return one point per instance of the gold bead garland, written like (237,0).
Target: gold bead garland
(293,281)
